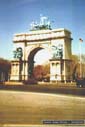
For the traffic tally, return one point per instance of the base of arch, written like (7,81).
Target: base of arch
(59,71)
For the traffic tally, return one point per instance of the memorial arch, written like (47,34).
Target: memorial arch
(26,45)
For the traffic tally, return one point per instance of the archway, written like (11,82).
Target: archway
(32,61)
(57,41)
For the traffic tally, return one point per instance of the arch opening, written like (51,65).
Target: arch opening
(37,57)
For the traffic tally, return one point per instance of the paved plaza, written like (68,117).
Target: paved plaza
(33,108)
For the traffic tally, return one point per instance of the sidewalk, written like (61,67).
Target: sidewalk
(13,83)
(67,84)
(61,84)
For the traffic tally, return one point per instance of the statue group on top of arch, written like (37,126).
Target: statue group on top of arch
(44,24)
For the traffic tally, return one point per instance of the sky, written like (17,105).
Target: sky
(17,15)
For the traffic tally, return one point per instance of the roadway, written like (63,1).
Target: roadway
(21,107)
(47,88)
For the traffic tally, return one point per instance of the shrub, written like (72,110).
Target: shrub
(30,81)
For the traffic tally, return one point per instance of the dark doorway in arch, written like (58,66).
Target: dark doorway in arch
(31,61)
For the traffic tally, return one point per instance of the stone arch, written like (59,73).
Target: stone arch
(57,42)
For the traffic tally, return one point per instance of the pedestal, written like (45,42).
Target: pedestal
(55,70)
(15,71)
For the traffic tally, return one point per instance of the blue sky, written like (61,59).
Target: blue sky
(16,16)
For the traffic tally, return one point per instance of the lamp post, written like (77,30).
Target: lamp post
(80,57)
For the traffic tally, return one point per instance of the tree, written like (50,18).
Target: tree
(41,72)
(75,66)
(5,67)
(38,72)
